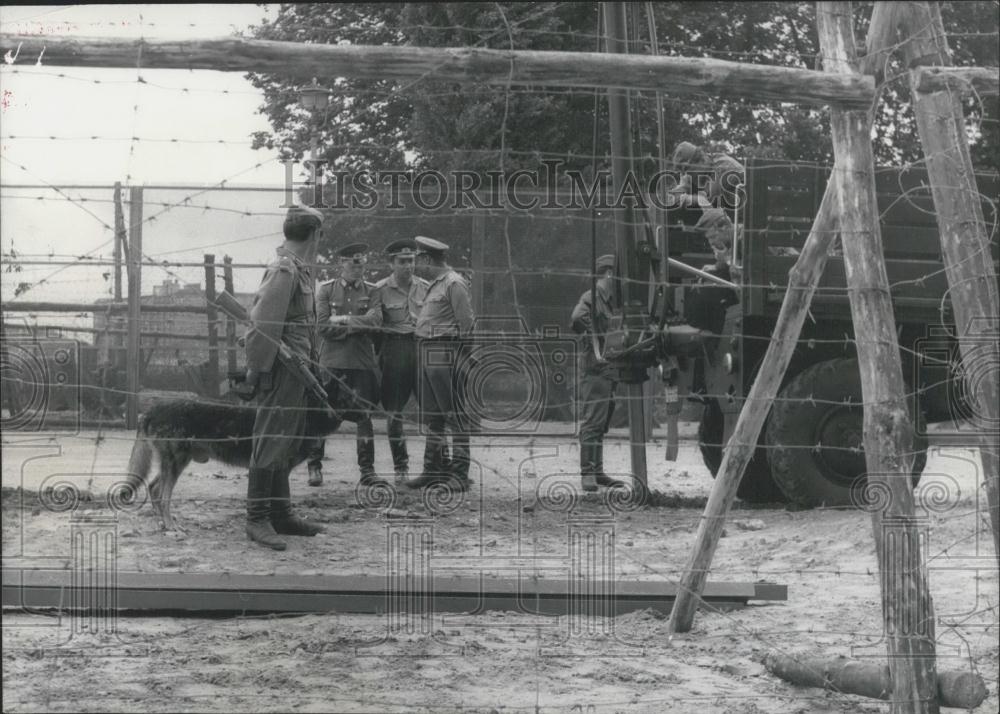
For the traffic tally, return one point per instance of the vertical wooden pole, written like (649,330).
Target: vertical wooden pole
(477,259)
(212,378)
(632,290)
(134,307)
(114,344)
(227,280)
(888,431)
(965,244)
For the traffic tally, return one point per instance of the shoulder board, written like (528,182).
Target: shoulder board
(285,264)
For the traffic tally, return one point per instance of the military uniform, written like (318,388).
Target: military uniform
(396,309)
(598,379)
(283,311)
(722,186)
(347,361)
(444,322)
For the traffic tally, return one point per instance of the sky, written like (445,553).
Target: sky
(194,128)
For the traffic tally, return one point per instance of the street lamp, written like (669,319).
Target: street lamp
(314,99)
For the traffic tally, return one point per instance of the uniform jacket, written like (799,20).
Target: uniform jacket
(346,346)
(283,310)
(587,320)
(396,310)
(447,310)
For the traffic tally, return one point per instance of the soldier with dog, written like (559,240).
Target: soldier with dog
(283,311)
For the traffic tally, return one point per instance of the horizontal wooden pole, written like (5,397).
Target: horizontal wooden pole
(677,75)
(97,307)
(41,329)
(981,80)
(961,690)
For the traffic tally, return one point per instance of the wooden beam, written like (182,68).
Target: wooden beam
(967,80)
(881,40)
(677,75)
(961,690)
(97,307)
(134,307)
(965,237)
(212,592)
(907,613)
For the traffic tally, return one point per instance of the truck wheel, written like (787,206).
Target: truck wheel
(757,486)
(822,406)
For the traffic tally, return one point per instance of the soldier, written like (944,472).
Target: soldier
(396,302)
(445,321)
(728,173)
(283,311)
(347,357)
(596,391)
(706,304)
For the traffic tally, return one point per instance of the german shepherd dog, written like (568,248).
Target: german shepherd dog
(185,430)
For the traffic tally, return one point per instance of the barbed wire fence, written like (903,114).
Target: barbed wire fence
(36,270)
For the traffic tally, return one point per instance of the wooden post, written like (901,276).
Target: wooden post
(134,307)
(960,690)
(121,236)
(802,281)
(965,80)
(965,242)
(227,280)
(907,613)
(212,378)
(677,75)
(631,288)
(477,258)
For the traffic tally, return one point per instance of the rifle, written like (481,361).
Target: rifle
(292,362)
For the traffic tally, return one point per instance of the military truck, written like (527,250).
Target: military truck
(810,450)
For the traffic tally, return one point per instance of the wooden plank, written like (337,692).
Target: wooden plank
(677,75)
(205,592)
(227,280)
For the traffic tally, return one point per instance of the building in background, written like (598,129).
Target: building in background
(164,334)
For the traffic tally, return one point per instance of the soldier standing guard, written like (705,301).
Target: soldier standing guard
(445,321)
(283,311)
(596,390)
(396,302)
(347,358)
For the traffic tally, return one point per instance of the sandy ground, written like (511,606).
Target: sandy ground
(497,661)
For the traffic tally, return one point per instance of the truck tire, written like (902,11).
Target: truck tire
(757,486)
(812,477)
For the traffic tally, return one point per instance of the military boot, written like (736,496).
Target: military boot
(588,457)
(315,475)
(602,478)
(366,461)
(400,456)
(458,466)
(283,519)
(434,469)
(259,528)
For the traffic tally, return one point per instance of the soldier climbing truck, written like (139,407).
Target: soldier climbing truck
(810,449)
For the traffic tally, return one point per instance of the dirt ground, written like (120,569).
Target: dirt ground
(497,661)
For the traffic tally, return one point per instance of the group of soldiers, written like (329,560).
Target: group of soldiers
(419,318)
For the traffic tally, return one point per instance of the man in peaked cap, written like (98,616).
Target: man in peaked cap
(445,321)
(347,357)
(396,302)
(596,389)
(282,312)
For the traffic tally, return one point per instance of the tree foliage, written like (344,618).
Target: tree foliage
(391,124)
